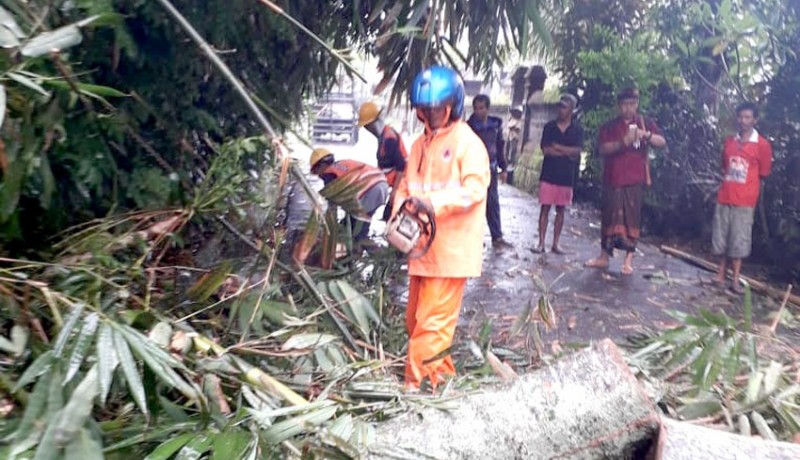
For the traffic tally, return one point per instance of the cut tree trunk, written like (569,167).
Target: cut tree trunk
(588,405)
(756,285)
(684,441)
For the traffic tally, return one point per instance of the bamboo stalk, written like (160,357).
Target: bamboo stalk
(249,373)
(774,326)
(245,96)
(279,11)
(756,285)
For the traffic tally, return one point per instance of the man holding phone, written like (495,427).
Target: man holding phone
(623,145)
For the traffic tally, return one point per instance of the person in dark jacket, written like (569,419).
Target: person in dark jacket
(490,130)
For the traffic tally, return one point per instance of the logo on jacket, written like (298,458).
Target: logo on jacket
(447,155)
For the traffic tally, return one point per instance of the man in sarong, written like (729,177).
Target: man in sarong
(623,144)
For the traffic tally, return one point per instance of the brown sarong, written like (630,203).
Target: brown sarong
(622,211)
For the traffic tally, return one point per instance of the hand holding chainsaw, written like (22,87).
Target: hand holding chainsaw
(413,220)
(416,205)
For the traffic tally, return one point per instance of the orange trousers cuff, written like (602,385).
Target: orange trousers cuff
(431,317)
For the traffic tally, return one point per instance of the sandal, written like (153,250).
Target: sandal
(627,270)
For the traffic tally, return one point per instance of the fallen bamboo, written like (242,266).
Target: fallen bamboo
(756,285)
(774,326)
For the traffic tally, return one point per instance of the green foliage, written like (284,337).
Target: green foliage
(620,63)
(715,362)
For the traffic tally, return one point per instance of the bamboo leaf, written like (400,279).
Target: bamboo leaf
(41,365)
(649,349)
(195,448)
(161,334)
(209,283)
(83,447)
(19,338)
(362,309)
(130,370)
(55,394)
(522,319)
(132,335)
(79,407)
(699,409)
(286,429)
(48,448)
(748,308)
(168,448)
(87,89)
(342,427)
(754,387)
(716,319)
(34,410)
(732,363)
(69,325)
(744,425)
(8,39)
(363,434)
(308,341)
(2,105)
(500,368)
(107,360)
(763,427)
(85,338)
(772,377)
(27,82)
(55,40)
(7,21)
(230,446)
(162,369)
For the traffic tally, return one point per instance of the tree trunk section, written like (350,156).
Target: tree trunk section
(684,441)
(585,406)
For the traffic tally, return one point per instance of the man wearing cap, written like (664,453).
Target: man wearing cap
(623,145)
(391,153)
(374,191)
(562,141)
(490,130)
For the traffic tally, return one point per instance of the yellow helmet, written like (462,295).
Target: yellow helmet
(318,154)
(368,113)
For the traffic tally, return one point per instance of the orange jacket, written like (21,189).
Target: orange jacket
(365,172)
(451,168)
(391,154)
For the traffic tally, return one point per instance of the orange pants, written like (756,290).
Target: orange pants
(431,317)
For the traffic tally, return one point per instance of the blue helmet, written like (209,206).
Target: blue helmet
(437,86)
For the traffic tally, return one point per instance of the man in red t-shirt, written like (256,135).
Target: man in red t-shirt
(746,159)
(623,144)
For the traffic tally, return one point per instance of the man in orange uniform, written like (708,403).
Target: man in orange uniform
(391,153)
(324,165)
(448,173)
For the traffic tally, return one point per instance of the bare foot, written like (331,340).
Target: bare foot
(539,250)
(596,263)
(627,270)
(557,250)
(713,280)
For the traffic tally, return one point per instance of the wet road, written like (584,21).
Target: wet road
(590,304)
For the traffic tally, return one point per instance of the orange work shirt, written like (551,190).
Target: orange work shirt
(450,167)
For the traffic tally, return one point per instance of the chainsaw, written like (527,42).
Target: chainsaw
(405,230)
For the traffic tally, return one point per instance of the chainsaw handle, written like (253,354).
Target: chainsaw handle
(427,227)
